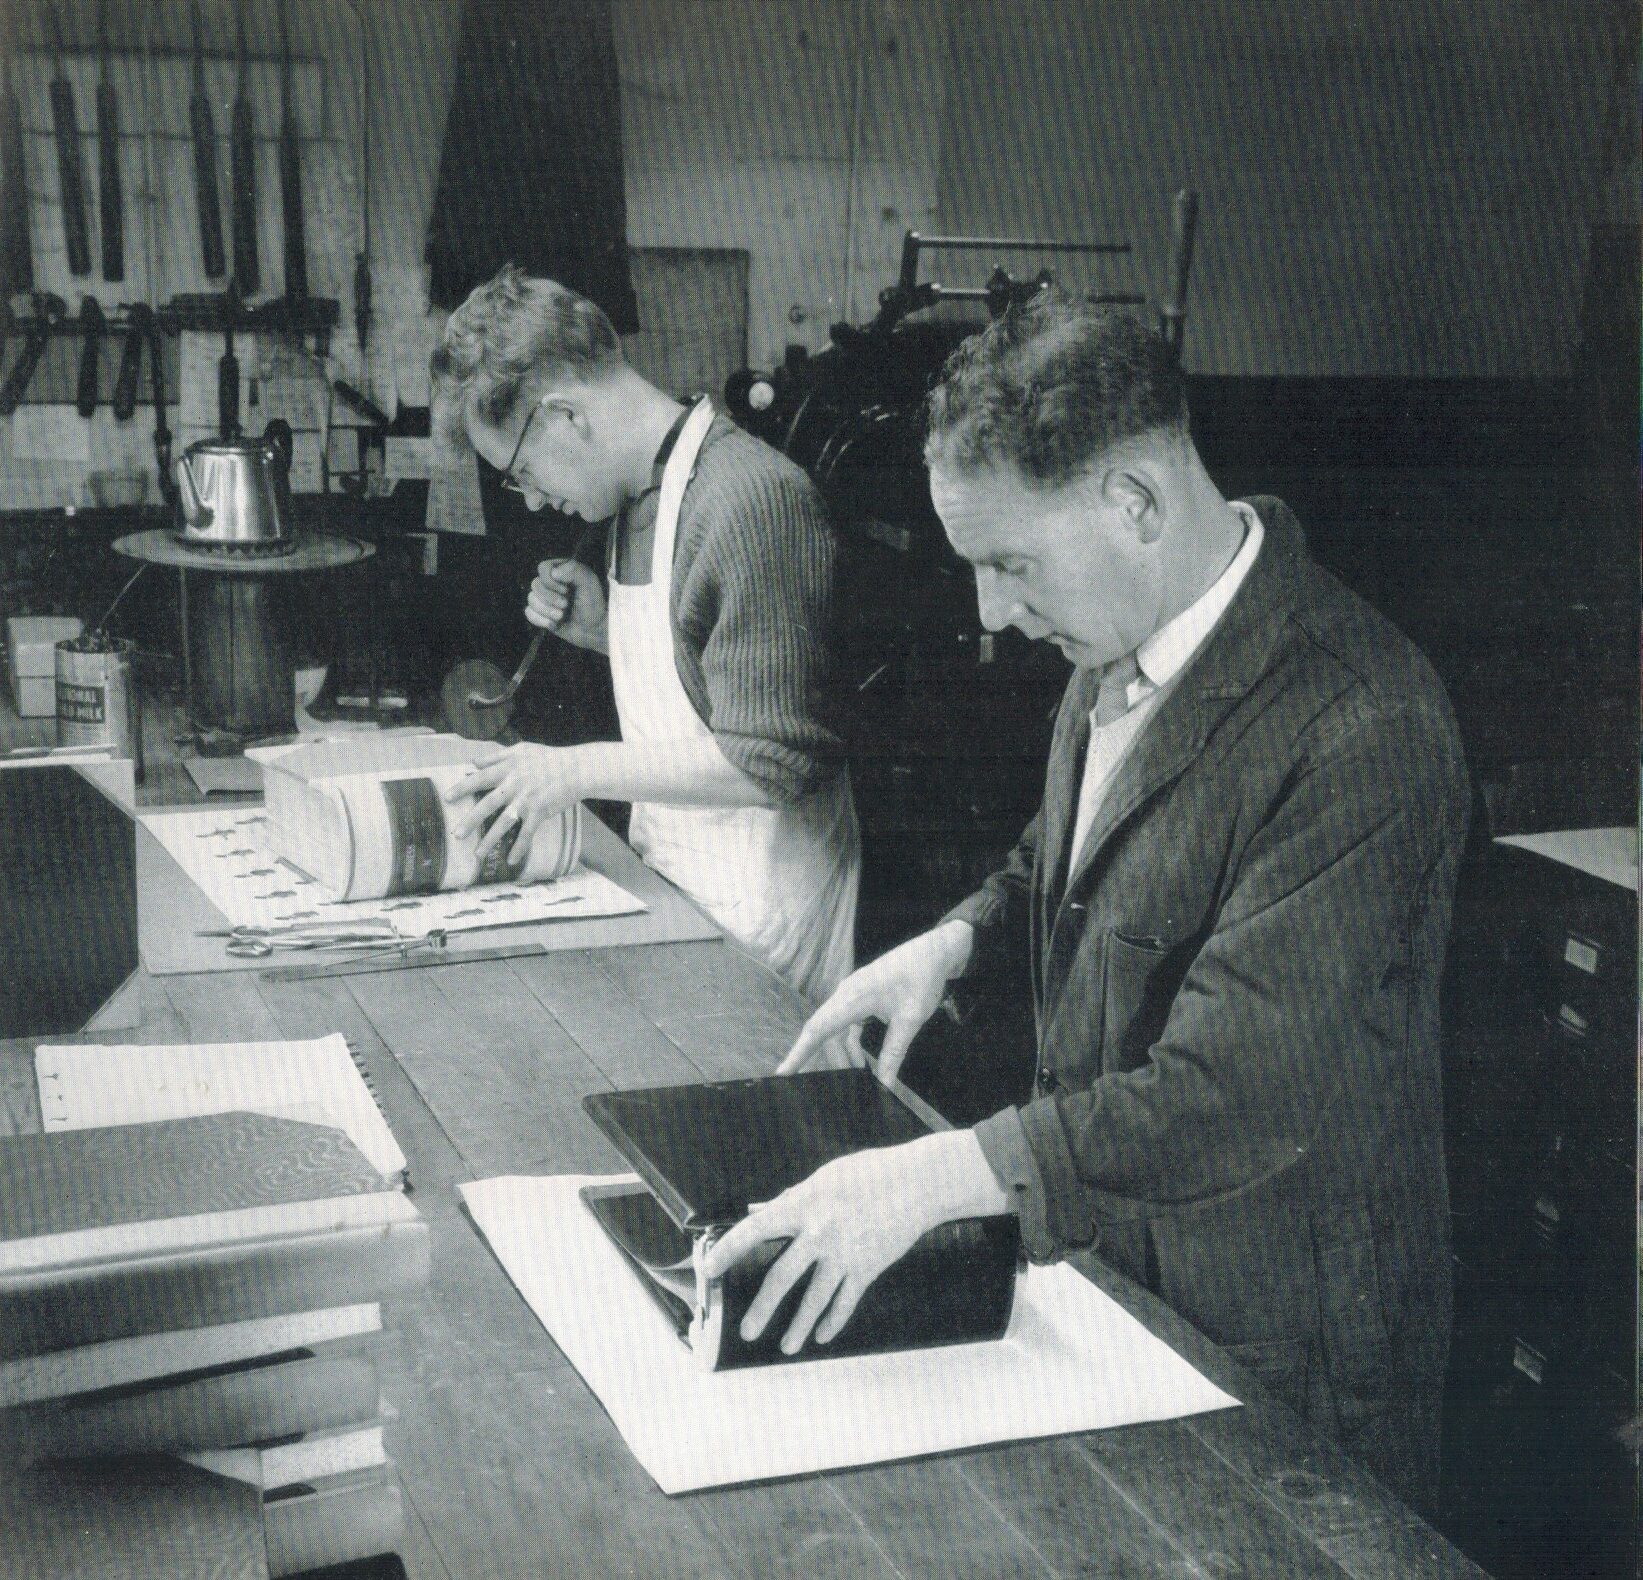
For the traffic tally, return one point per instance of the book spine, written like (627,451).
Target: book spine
(266,1278)
(322,1529)
(416,837)
(230,1410)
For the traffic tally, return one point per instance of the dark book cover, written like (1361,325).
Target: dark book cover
(110,1233)
(90,1179)
(708,1152)
(68,899)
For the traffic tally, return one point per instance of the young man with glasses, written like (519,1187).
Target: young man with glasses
(713,610)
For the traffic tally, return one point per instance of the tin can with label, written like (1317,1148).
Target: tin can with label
(97,697)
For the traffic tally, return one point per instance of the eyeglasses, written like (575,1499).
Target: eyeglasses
(509,481)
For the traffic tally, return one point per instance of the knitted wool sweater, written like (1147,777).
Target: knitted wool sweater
(751,597)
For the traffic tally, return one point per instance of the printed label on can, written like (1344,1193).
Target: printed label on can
(81,704)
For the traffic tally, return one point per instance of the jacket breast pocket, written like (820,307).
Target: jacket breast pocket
(1140,981)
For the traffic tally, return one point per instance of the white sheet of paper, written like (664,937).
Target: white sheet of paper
(85,1085)
(1607,853)
(1072,1361)
(222,851)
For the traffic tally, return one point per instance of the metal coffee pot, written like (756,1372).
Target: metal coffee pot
(236,492)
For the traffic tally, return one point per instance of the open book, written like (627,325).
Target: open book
(368,818)
(706,1153)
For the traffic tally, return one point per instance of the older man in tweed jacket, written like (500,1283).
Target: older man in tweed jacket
(1230,911)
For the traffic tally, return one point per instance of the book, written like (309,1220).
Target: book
(707,1153)
(119,1363)
(313,1457)
(133,1229)
(68,891)
(332,1525)
(321,1081)
(120,1519)
(257,1401)
(367,819)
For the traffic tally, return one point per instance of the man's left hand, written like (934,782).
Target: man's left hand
(520,788)
(852,1219)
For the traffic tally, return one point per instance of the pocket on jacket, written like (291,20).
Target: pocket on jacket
(1137,991)
(1357,1347)
(1281,1366)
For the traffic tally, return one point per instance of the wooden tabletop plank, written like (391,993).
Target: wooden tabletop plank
(1074,1516)
(1202,1503)
(416,1548)
(730,1015)
(625,1045)
(922,1507)
(222,1007)
(498,1072)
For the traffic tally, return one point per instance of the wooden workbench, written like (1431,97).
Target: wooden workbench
(509,1465)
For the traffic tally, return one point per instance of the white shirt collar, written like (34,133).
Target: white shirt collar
(1164,654)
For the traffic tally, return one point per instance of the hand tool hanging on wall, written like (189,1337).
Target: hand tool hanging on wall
(16,261)
(65,129)
(137,330)
(204,131)
(162,430)
(296,260)
(48,309)
(243,176)
(110,202)
(92,325)
(228,386)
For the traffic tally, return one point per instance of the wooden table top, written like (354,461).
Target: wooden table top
(510,1467)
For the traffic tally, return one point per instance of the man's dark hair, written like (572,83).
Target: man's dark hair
(1052,387)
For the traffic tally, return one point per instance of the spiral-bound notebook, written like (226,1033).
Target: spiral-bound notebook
(321,1081)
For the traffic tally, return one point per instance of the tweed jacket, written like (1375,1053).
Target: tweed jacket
(1236,992)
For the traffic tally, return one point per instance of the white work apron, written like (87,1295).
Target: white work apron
(780,880)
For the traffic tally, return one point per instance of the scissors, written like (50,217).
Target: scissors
(258,943)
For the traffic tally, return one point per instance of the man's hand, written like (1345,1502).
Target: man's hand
(850,1220)
(568,599)
(903,989)
(521,788)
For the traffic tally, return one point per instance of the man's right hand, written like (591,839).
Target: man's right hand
(903,989)
(568,599)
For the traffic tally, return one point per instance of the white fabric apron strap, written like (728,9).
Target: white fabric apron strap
(782,881)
